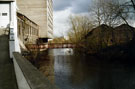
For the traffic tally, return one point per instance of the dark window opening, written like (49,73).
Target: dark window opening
(4,14)
(42,40)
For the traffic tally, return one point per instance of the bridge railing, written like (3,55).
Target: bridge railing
(28,77)
(51,45)
(28,31)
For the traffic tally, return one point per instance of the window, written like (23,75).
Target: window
(4,14)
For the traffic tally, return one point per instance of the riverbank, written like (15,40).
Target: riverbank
(107,43)
(85,71)
(117,53)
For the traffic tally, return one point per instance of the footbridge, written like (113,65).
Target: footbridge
(15,71)
(51,46)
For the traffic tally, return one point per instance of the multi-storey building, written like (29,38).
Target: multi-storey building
(41,12)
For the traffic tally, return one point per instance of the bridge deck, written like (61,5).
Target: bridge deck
(7,74)
(51,46)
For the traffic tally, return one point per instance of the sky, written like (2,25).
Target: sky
(65,8)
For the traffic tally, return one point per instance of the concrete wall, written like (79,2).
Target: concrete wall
(37,11)
(28,77)
(21,80)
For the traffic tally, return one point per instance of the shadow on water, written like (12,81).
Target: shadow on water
(85,72)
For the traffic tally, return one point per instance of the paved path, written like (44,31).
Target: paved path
(7,74)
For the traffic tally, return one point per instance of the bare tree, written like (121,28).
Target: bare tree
(109,12)
(80,26)
(133,3)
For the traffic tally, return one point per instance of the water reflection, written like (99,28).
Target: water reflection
(64,52)
(45,64)
(68,71)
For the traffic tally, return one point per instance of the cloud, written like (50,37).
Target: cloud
(77,6)
(80,6)
(63,9)
(61,24)
(62,4)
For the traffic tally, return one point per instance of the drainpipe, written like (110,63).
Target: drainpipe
(11,39)
(11,30)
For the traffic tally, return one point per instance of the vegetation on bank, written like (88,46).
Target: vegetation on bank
(106,30)
(104,36)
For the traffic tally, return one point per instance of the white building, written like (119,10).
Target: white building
(8,21)
(5,13)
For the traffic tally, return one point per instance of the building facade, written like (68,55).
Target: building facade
(8,22)
(41,12)
(4,14)
(27,29)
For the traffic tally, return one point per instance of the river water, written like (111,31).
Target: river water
(69,71)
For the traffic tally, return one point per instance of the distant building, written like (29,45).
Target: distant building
(66,37)
(41,12)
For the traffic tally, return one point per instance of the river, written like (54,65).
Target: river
(69,71)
